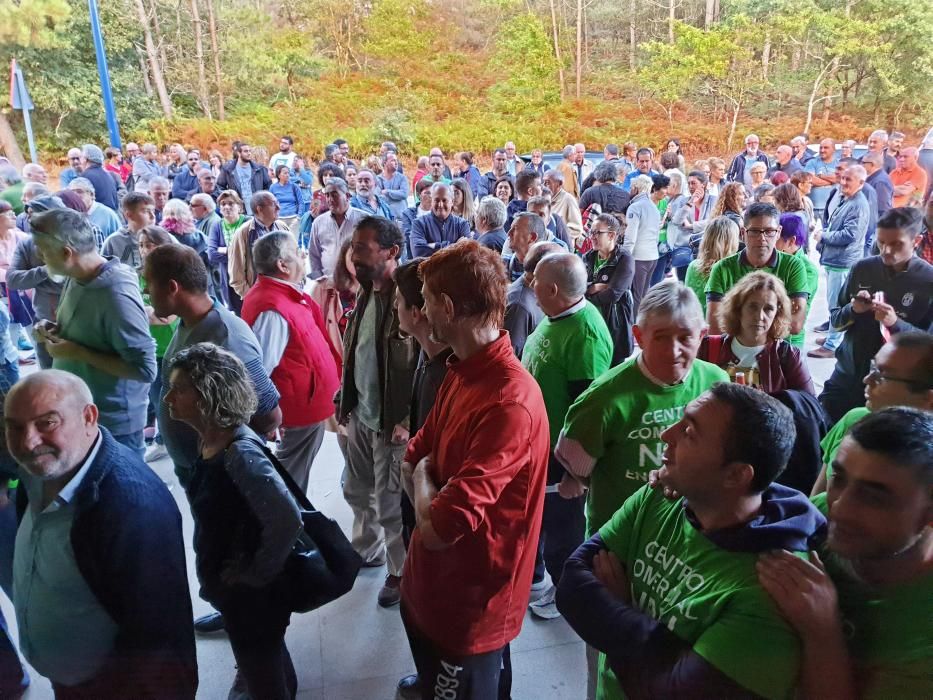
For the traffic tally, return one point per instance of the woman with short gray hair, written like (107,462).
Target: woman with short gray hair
(246,521)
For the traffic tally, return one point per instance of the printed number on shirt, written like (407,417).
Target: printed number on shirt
(447,682)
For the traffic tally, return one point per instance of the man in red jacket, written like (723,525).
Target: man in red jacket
(476,473)
(297,352)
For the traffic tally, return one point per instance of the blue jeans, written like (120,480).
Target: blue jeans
(135,441)
(835,283)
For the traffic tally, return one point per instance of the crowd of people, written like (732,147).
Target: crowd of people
(580,388)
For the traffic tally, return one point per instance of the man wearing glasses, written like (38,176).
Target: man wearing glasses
(901,374)
(741,168)
(74,167)
(762,228)
(884,295)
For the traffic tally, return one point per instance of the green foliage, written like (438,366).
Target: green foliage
(524,60)
(396,29)
(31,23)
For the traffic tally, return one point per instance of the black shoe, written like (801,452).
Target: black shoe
(390,594)
(209,624)
(409,688)
(822,328)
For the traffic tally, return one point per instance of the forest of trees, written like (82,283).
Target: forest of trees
(472,73)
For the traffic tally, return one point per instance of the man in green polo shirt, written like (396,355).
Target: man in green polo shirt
(762,228)
(901,375)
(863,607)
(667,589)
(568,350)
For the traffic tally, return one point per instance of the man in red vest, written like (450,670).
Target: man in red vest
(297,352)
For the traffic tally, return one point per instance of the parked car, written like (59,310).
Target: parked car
(552,158)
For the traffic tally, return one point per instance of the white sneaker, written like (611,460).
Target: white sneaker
(542,585)
(545,607)
(155,452)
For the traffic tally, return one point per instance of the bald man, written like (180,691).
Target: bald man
(565,353)
(786,163)
(908,178)
(99,577)
(73,170)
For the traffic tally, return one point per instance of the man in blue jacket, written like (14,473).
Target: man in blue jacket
(441,227)
(100,583)
(105,183)
(185,182)
(842,243)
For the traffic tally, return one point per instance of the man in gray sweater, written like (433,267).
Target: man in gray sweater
(101,333)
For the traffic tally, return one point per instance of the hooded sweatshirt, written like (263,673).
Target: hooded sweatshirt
(699,624)
(106,315)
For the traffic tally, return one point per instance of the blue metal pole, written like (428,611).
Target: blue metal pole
(104,74)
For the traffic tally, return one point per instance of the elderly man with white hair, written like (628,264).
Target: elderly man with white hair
(33,172)
(842,244)
(106,184)
(101,331)
(73,169)
(103,218)
(490,220)
(568,350)
(878,143)
(563,204)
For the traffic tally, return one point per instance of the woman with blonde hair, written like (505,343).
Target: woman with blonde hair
(463,205)
(720,240)
(756,315)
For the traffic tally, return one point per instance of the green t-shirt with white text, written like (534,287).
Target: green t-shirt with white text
(618,423)
(564,350)
(708,596)
(889,632)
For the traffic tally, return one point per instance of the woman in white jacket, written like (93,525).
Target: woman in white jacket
(642,226)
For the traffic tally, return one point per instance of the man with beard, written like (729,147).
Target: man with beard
(863,606)
(244,176)
(476,473)
(374,403)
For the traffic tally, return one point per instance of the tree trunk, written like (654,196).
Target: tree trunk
(212,27)
(144,69)
(579,45)
(157,36)
(766,56)
(795,59)
(827,98)
(560,63)
(710,14)
(736,108)
(631,36)
(811,103)
(204,95)
(8,143)
(671,4)
(155,67)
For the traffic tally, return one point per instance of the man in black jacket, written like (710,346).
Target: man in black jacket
(105,183)
(244,176)
(100,583)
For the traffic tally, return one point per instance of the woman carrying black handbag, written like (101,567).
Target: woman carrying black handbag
(253,552)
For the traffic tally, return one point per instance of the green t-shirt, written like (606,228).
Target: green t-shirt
(618,422)
(830,443)
(161,334)
(564,350)
(706,595)
(888,632)
(813,281)
(696,281)
(788,268)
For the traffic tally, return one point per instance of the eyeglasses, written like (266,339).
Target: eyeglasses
(876,376)
(768,233)
(596,232)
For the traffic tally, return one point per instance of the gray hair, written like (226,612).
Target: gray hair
(206,200)
(673,300)
(82,184)
(226,395)
(567,271)
(492,212)
(339,183)
(676,175)
(857,171)
(177,209)
(149,148)
(538,250)
(879,134)
(799,139)
(269,249)
(330,149)
(555,175)
(642,183)
(34,189)
(874,158)
(92,153)
(605,172)
(537,223)
(568,151)
(31,169)
(10,175)
(159,181)
(612,149)
(70,228)
(260,199)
